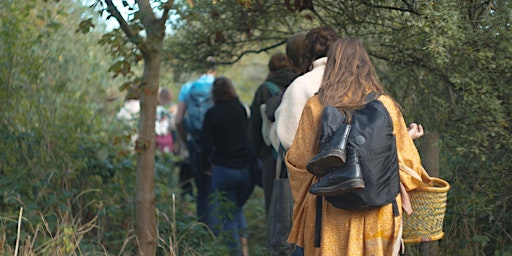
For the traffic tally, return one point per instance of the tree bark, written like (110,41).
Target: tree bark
(151,48)
(429,151)
(145,225)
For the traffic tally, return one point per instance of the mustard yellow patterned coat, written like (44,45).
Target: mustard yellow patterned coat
(347,233)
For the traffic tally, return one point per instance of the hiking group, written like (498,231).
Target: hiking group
(322,119)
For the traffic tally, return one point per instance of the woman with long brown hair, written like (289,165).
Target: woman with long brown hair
(348,80)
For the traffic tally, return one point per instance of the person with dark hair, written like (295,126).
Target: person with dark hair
(294,46)
(224,153)
(312,64)
(347,85)
(280,76)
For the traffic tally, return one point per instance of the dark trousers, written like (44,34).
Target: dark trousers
(233,184)
(186,176)
(202,181)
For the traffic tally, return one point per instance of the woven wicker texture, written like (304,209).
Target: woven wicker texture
(429,207)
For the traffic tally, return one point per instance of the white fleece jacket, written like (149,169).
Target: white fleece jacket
(294,99)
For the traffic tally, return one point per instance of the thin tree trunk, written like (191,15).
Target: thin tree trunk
(429,150)
(145,220)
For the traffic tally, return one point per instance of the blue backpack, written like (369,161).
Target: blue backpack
(198,101)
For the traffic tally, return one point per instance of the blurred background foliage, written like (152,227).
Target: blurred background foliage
(67,166)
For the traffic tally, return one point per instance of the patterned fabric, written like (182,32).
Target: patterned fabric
(346,233)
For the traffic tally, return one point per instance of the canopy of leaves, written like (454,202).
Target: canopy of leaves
(230,29)
(448,63)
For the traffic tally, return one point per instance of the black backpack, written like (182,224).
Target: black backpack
(371,136)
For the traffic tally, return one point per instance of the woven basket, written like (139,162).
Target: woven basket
(429,207)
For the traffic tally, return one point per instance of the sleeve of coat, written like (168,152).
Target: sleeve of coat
(289,112)
(412,175)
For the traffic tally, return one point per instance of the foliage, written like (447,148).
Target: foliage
(57,151)
(446,62)
(67,165)
(66,162)
(258,27)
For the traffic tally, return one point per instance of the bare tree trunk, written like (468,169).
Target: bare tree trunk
(145,220)
(429,150)
(151,49)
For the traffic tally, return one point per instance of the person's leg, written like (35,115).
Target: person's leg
(269,174)
(242,227)
(203,184)
(225,183)
(245,187)
(203,193)
(231,230)
(186,176)
(243,191)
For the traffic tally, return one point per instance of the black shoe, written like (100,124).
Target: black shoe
(340,180)
(333,154)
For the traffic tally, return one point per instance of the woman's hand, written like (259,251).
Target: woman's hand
(415,131)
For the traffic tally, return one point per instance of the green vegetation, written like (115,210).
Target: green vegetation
(69,173)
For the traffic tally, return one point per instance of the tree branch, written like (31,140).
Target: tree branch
(167,7)
(132,34)
(147,17)
(253,51)
(371,5)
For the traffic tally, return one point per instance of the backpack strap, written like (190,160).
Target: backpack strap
(369,98)
(272,88)
(318,220)
(396,212)
(372,96)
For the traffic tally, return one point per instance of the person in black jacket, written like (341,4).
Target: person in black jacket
(224,153)
(281,73)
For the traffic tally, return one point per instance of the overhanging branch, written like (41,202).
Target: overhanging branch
(167,7)
(130,33)
(253,51)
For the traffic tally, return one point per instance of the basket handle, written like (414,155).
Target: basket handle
(437,185)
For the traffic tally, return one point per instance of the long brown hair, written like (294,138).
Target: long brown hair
(316,45)
(349,76)
(223,90)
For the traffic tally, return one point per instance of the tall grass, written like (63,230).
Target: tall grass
(73,230)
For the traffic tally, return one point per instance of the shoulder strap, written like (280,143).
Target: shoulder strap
(372,96)
(318,220)
(273,88)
